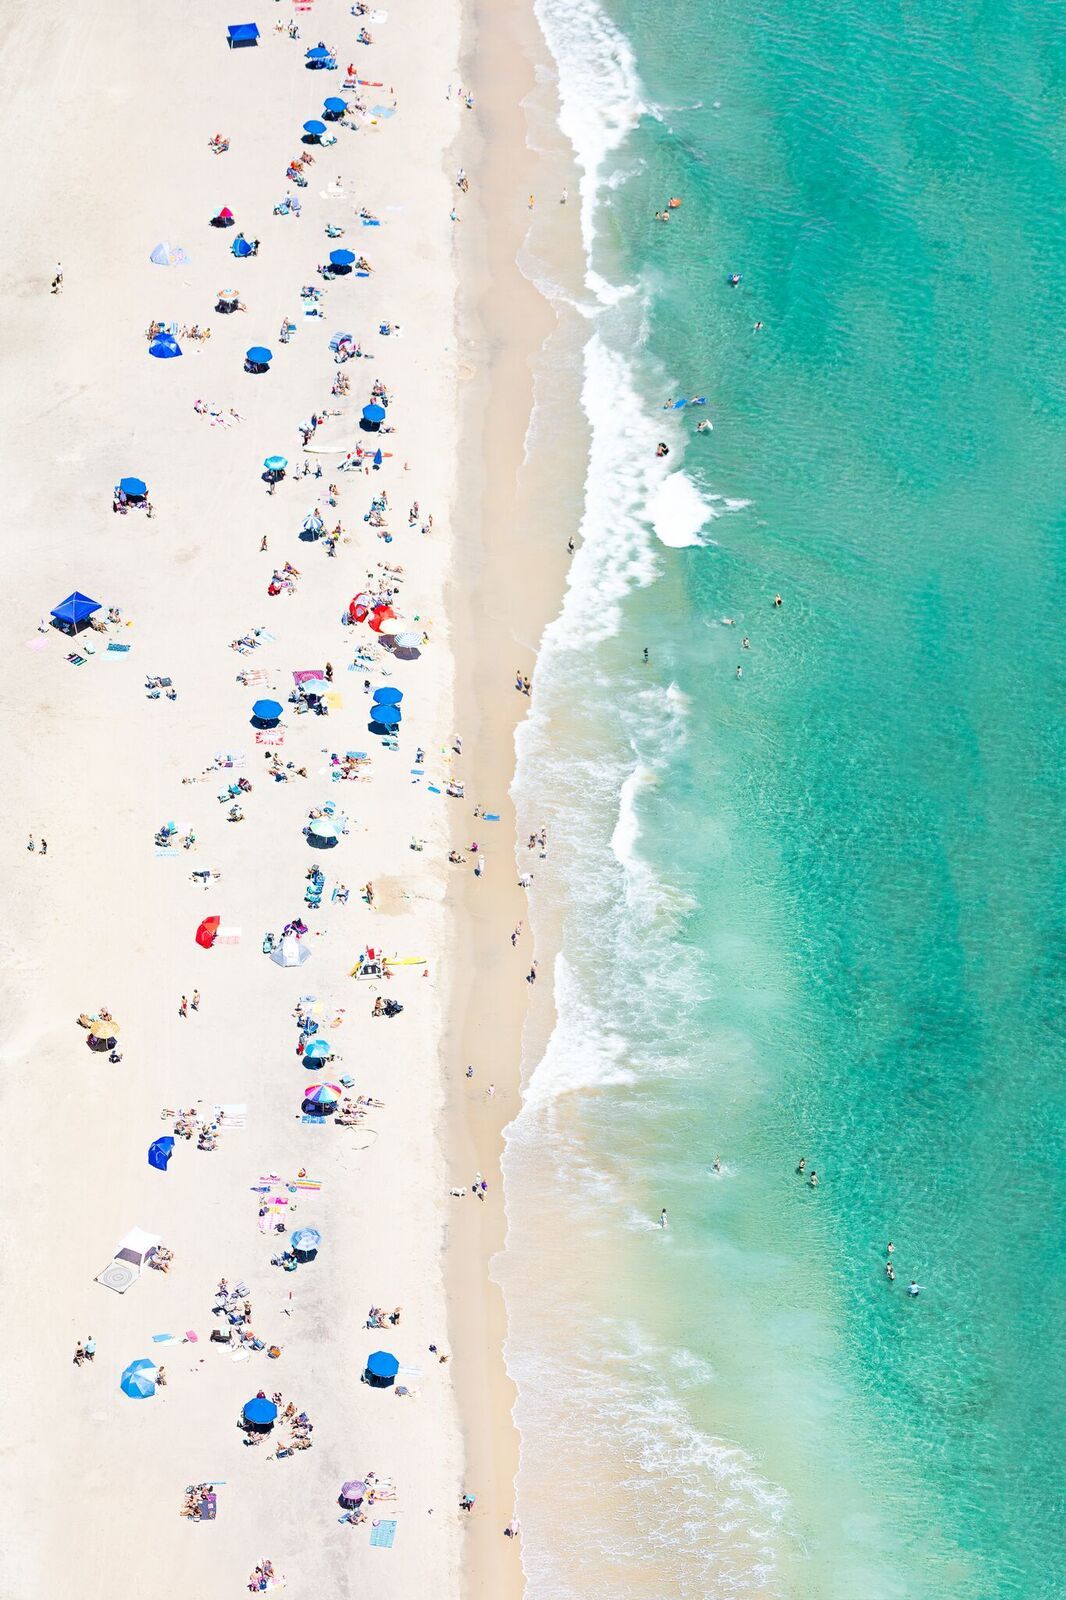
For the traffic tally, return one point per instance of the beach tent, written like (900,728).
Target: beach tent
(74,612)
(241,247)
(259,1414)
(130,1258)
(138,1380)
(240,34)
(381,1369)
(291,952)
(164,347)
(169,255)
(160,1152)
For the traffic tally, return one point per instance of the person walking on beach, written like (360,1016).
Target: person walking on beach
(531,976)
(44,847)
(31,846)
(195,1001)
(516,934)
(183,1009)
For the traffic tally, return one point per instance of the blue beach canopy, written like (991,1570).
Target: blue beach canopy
(77,607)
(382,1365)
(318,52)
(266,710)
(374,413)
(160,1152)
(315,128)
(241,248)
(339,339)
(242,33)
(164,346)
(138,1380)
(259,355)
(260,1412)
(336,105)
(387,697)
(342,258)
(133,486)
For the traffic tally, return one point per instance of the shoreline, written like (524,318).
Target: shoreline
(505,322)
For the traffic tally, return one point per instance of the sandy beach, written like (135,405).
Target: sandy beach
(103,764)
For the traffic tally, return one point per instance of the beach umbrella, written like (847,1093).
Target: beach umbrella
(323,833)
(305,1243)
(291,952)
(223,218)
(315,128)
(315,687)
(352,1493)
(407,640)
(373,413)
(381,1367)
(259,355)
(387,697)
(381,615)
(266,711)
(169,255)
(317,52)
(388,716)
(316,1050)
(260,1412)
(342,258)
(334,107)
(102,1035)
(164,347)
(322,1094)
(133,488)
(276,463)
(378,458)
(160,1152)
(138,1380)
(207,932)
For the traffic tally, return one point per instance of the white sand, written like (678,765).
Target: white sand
(111,109)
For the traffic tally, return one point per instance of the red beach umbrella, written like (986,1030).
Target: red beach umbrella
(207,932)
(380,617)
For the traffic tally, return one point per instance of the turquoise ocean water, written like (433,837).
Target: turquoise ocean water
(815,910)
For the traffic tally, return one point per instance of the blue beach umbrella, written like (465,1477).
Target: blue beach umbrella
(378,458)
(341,258)
(382,1365)
(260,1413)
(135,488)
(164,347)
(138,1380)
(306,1239)
(387,697)
(318,52)
(266,711)
(373,413)
(315,128)
(317,1050)
(160,1152)
(276,463)
(387,716)
(335,106)
(259,355)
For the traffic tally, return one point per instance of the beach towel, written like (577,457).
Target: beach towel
(490,816)
(315,1122)
(382,1535)
(118,649)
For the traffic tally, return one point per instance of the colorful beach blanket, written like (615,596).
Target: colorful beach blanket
(382,1535)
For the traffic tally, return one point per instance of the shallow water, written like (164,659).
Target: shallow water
(815,910)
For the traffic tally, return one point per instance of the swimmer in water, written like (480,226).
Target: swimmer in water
(777,600)
(717,1163)
(705,427)
(662,1218)
(889,1273)
(801,1169)
(814,1180)
(662,449)
(734,279)
(913,1290)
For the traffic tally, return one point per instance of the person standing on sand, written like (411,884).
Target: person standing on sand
(183,1009)
(31,846)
